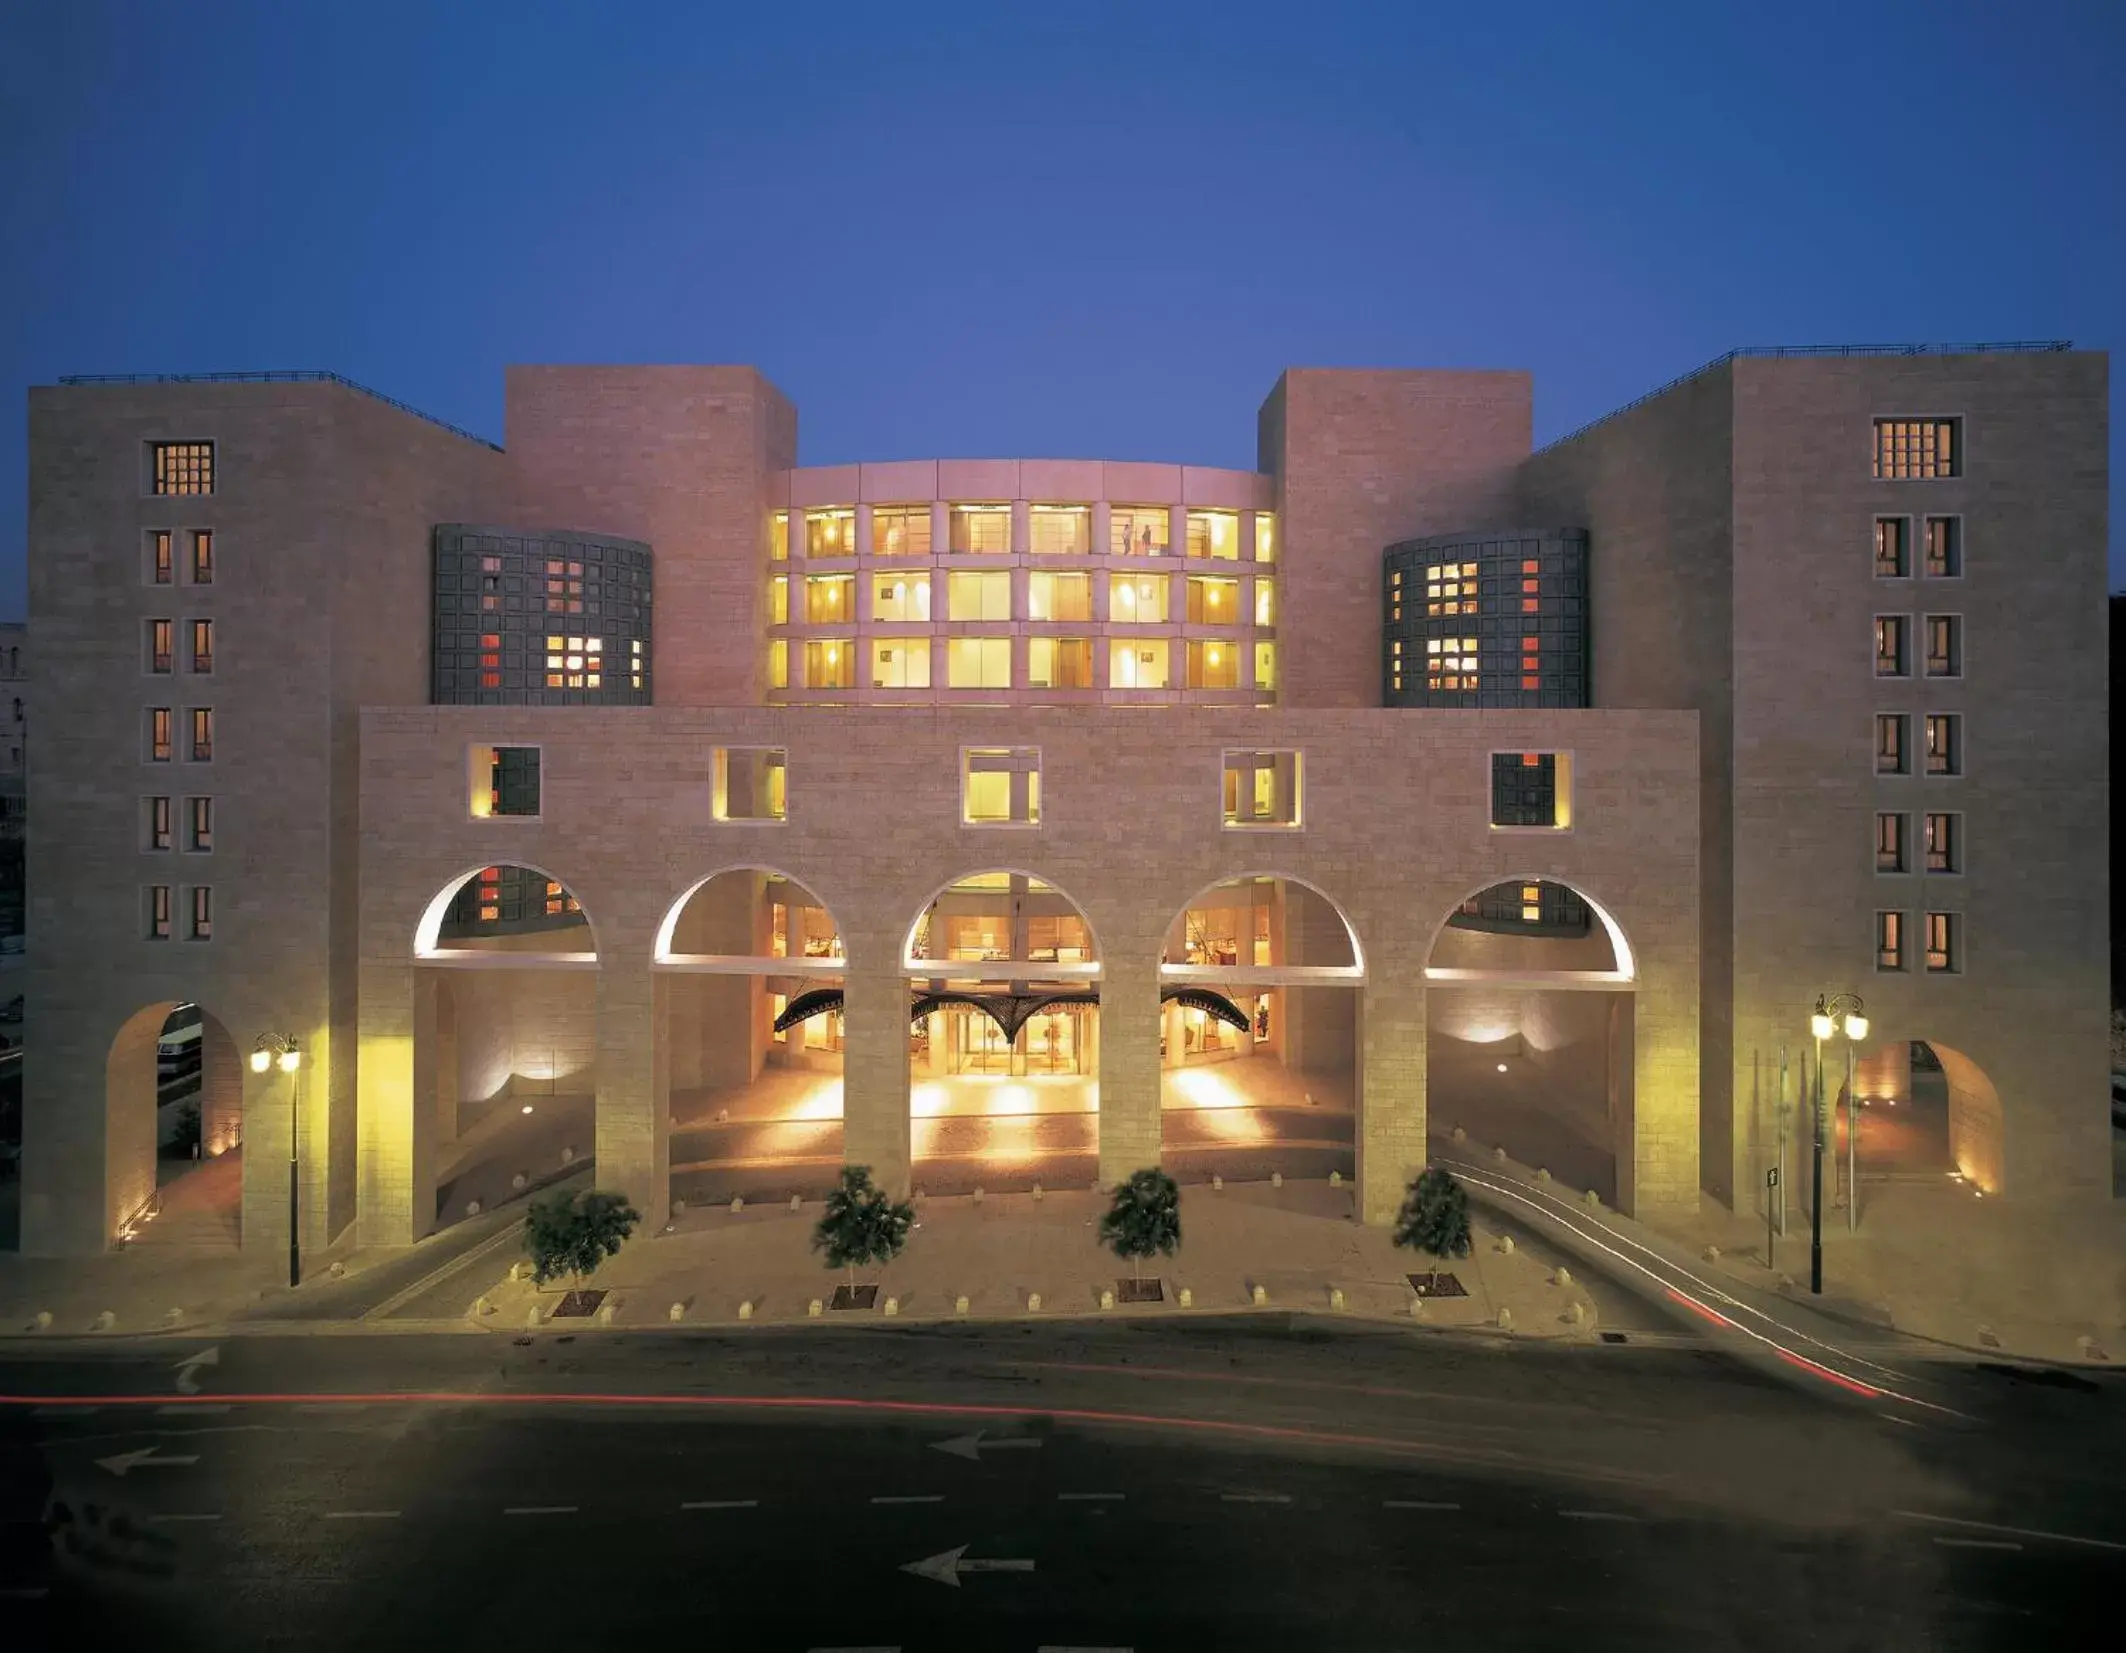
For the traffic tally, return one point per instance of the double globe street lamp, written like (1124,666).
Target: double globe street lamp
(1834,1014)
(279,1050)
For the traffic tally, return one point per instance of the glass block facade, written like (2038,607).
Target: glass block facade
(499,901)
(1539,909)
(1524,789)
(1486,620)
(550,619)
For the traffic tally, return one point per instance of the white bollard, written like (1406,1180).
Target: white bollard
(1417,1307)
(472,1208)
(1037,1191)
(1459,1134)
(1185,1297)
(1712,1254)
(893,1306)
(1107,1297)
(1217,1184)
(531,1315)
(1563,1277)
(1542,1173)
(1506,1320)
(1499,1155)
(723,1116)
(797,1204)
(1336,1179)
(815,1308)
(568,1156)
(1033,1302)
(1575,1314)
(738,1204)
(337,1271)
(43,1322)
(1336,1297)
(104,1322)
(678,1311)
(1592,1198)
(517,1271)
(978,1196)
(745,1309)
(1276,1179)
(679,1208)
(480,1305)
(1258,1296)
(959,1304)
(605,1314)
(519,1182)
(1506,1245)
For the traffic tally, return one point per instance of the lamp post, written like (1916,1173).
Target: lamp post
(279,1050)
(1834,1013)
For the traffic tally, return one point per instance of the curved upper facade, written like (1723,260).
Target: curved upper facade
(1021,581)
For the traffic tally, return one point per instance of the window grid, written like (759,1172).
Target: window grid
(496,618)
(184,467)
(1524,789)
(1917,449)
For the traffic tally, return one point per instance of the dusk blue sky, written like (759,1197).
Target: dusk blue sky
(1072,230)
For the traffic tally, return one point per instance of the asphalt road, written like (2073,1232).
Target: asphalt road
(1242,1484)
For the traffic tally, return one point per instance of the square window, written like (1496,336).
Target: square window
(750,783)
(1059,662)
(202,734)
(1214,534)
(1893,743)
(1213,601)
(182,467)
(978,596)
(1136,599)
(1140,531)
(158,912)
(1213,665)
(1893,549)
(199,824)
(1945,743)
(980,530)
(502,781)
(900,598)
(202,646)
(1945,943)
(1000,786)
(202,556)
(830,533)
(1945,548)
(830,663)
(978,663)
(1945,645)
(1261,790)
(1889,941)
(1066,597)
(1893,645)
(202,913)
(1531,789)
(1891,830)
(900,531)
(1137,665)
(156,826)
(1945,848)
(830,599)
(1908,450)
(1060,530)
(900,662)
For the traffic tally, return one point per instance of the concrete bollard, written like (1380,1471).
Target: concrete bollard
(745,1309)
(1506,1320)
(104,1322)
(1575,1314)
(605,1314)
(1217,1184)
(1563,1277)
(1542,1173)
(797,1204)
(1499,1155)
(43,1322)
(531,1315)
(1336,1297)
(1417,1307)
(893,1306)
(517,1271)
(1712,1254)
(1506,1245)
(1107,1297)
(480,1305)
(677,1312)
(815,1309)
(1593,1199)
(959,1304)
(1185,1297)
(723,1116)
(568,1156)
(520,1182)
(1033,1302)
(1276,1179)
(738,1204)
(679,1208)
(1459,1134)
(472,1208)
(1258,1296)
(1037,1191)
(1336,1179)
(978,1196)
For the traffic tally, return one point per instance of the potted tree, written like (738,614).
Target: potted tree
(1435,1220)
(861,1227)
(1143,1221)
(572,1233)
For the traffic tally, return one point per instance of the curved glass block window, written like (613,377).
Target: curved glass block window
(550,619)
(1497,619)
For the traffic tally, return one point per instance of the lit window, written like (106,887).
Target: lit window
(900,597)
(202,734)
(1918,449)
(1893,559)
(1945,743)
(1892,743)
(778,664)
(1531,789)
(978,596)
(162,571)
(1944,943)
(1135,665)
(1262,789)
(1265,665)
(1000,786)
(158,925)
(1136,599)
(202,913)
(779,600)
(184,467)
(1531,588)
(900,531)
(830,599)
(1531,903)
(1140,531)
(779,537)
(502,781)
(750,783)
(161,644)
(1265,536)
(203,646)
(1213,665)
(1450,663)
(978,663)
(1945,645)
(1060,530)
(160,737)
(981,530)
(635,661)
(1890,832)
(1945,851)
(1893,645)
(900,662)
(830,663)
(830,533)
(1059,662)
(1058,596)
(202,556)
(1945,548)
(1450,588)
(1214,534)
(1212,601)
(1889,941)
(1266,601)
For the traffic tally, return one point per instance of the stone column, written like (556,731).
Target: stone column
(1391,1087)
(634,1090)
(875,1129)
(395,1189)
(1657,1142)
(1129,1065)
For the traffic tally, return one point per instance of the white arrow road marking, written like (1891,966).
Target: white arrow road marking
(143,1456)
(947,1566)
(971,1447)
(188,1369)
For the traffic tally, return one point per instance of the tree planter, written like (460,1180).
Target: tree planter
(1139,1291)
(854,1297)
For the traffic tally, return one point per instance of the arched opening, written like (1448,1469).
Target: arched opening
(1926,1111)
(1003,1035)
(174,1121)
(1260,979)
(506,1041)
(1529,1027)
(754,1035)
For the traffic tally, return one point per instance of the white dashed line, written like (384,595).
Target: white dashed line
(1415,1504)
(1254,1498)
(722,1504)
(912,1498)
(2020,1532)
(1089,1497)
(541,1509)
(1596,1515)
(63,1411)
(191,1409)
(1977,1543)
(331,1406)
(216,1516)
(361,1515)
(1892,1417)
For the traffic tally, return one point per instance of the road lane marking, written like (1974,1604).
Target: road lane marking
(1056,1647)
(1090,1497)
(541,1509)
(361,1515)
(879,1649)
(332,1406)
(1596,1515)
(722,1504)
(1415,1504)
(436,1276)
(191,1409)
(1977,1543)
(1909,1423)
(63,1411)
(2020,1532)
(1254,1498)
(912,1498)
(207,1516)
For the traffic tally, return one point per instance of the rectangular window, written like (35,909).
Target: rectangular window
(202,734)
(750,783)
(161,645)
(1531,789)
(1893,549)
(978,663)
(162,569)
(202,556)
(1890,833)
(1889,941)
(1945,645)
(199,824)
(1945,950)
(1908,450)
(1265,536)
(1060,530)
(503,781)
(900,662)
(900,597)
(1213,602)
(779,537)
(1893,743)
(202,913)
(1262,789)
(203,646)
(900,531)
(831,532)
(1214,534)
(1000,786)
(1893,645)
(158,913)
(1945,743)
(1059,662)
(1265,665)
(830,599)
(1059,597)
(1213,665)
(564,586)
(160,736)
(183,467)
(978,596)
(1140,531)
(779,600)
(830,663)
(778,664)
(1265,601)
(1945,548)
(1450,663)
(1136,599)
(1945,847)
(156,826)
(1135,665)
(981,530)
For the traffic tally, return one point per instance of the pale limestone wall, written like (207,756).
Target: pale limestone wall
(529,1032)
(1130,833)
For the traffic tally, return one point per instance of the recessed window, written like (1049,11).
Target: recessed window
(1945,847)
(158,912)
(900,597)
(1945,548)
(1893,547)
(978,663)
(978,596)
(161,645)
(1945,645)
(1214,534)
(1889,941)
(156,825)
(1135,665)
(1140,530)
(751,783)
(162,566)
(1265,536)
(1265,665)
(900,662)
(980,530)
(1265,601)
(830,663)
(779,537)
(202,645)
(1945,743)
(778,664)
(202,916)
(1067,597)
(1213,601)
(504,781)
(1136,599)
(1060,530)
(160,737)
(1213,664)
(1531,789)
(1893,645)
(1945,951)
(1450,662)
(1909,450)
(1891,831)
(202,556)
(199,824)
(1000,786)
(183,467)
(830,599)
(900,531)
(779,600)
(830,532)
(1059,662)
(1893,743)
(1262,790)
(202,734)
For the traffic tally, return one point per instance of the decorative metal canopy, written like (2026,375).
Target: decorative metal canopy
(1011,1011)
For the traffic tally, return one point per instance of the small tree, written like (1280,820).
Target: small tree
(1144,1220)
(572,1233)
(184,1135)
(862,1224)
(1435,1217)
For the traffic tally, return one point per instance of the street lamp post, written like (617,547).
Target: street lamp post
(1834,1013)
(279,1050)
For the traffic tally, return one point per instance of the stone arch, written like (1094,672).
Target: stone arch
(428,929)
(911,962)
(132,1162)
(667,927)
(1975,1122)
(1357,966)
(1624,960)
